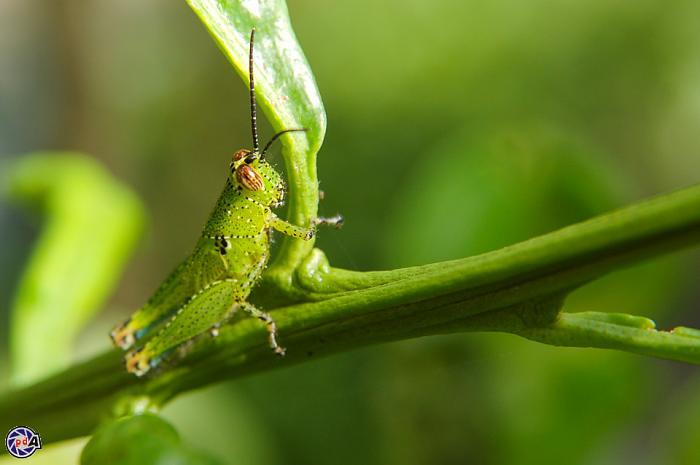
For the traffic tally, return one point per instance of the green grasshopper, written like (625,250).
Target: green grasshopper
(214,282)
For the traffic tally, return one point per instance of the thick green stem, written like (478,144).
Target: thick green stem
(518,289)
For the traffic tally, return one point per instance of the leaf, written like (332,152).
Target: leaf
(289,97)
(91,223)
(144,439)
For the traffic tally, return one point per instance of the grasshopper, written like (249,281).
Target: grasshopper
(214,282)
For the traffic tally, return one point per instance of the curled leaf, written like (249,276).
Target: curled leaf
(91,223)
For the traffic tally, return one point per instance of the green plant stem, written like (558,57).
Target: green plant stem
(518,289)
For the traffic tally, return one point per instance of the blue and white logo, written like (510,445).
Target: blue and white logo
(21,442)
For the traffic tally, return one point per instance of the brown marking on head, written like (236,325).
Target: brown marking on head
(240,154)
(249,178)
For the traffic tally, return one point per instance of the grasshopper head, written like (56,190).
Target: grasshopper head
(252,173)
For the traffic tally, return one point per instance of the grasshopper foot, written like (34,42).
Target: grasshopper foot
(334,221)
(137,362)
(123,335)
(281,351)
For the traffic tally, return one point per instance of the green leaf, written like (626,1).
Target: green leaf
(90,225)
(289,97)
(144,439)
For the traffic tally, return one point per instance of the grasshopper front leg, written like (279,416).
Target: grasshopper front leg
(300,232)
(333,221)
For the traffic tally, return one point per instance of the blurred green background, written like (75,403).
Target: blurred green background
(453,128)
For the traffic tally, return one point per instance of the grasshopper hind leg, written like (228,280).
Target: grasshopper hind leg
(171,295)
(201,316)
(136,363)
(141,360)
(123,336)
(207,307)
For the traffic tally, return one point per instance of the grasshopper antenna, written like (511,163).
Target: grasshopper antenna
(277,136)
(253,105)
(253,111)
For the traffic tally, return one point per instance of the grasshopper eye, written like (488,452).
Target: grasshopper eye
(249,178)
(250,158)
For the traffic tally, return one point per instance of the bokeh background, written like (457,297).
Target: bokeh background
(453,128)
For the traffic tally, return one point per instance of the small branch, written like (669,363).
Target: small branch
(518,289)
(628,333)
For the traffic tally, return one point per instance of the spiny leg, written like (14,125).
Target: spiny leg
(290,229)
(250,308)
(334,221)
(269,324)
(300,232)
